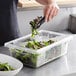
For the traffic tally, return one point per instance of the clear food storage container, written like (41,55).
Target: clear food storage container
(39,56)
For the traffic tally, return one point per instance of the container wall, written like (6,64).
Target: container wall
(28,59)
(52,53)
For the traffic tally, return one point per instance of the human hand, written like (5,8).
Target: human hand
(50,11)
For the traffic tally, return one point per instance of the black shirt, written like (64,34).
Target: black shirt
(8,21)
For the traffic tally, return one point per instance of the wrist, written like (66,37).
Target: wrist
(49,2)
(46,2)
(54,4)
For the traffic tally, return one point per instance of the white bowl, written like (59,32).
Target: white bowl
(11,61)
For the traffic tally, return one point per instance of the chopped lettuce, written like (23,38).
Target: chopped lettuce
(28,59)
(34,25)
(37,45)
(5,67)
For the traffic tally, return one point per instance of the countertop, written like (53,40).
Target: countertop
(59,67)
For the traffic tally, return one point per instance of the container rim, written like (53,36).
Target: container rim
(65,39)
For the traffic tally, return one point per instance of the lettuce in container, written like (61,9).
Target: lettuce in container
(30,59)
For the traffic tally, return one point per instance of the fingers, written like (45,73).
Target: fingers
(50,12)
(46,12)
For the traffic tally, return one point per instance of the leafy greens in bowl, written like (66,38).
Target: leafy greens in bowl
(9,66)
(5,67)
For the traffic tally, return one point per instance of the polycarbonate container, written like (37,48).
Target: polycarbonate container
(36,58)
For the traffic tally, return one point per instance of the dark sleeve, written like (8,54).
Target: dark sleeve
(4,4)
(8,21)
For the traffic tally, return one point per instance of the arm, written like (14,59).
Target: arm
(45,2)
(50,8)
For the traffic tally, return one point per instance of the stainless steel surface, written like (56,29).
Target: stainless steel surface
(59,67)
